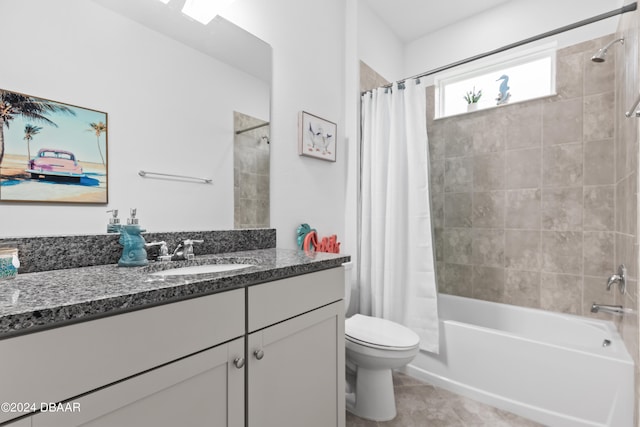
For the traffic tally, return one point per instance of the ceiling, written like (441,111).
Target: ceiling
(412,19)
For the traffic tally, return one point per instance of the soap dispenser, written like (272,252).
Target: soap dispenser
(132,220)
(114,222)
(134,253)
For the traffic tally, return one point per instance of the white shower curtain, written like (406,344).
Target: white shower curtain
(397,268)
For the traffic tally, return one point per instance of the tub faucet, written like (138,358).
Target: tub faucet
(612,309)
(620,279)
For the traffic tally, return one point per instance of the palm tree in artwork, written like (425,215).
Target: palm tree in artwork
(98,128)
(29,132)
(14,104)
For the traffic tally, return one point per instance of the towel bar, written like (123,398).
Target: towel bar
(145,173)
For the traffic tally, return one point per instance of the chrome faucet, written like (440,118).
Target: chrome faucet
(620,279)
(612,309)
(187,250)
(163,252)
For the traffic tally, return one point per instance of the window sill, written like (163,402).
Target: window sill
(493,107)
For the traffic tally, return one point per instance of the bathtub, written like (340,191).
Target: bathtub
(549,367)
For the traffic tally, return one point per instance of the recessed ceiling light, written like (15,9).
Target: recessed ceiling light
(165,1)
(204,10)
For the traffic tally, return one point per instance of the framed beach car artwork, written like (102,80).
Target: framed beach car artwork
(316,137)
(51,152)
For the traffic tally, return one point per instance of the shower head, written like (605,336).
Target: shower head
(601,55)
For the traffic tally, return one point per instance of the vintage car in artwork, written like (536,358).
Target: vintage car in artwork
(55,165)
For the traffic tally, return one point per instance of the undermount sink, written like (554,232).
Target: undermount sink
(201,269)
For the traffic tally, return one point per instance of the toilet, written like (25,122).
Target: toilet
(374,347)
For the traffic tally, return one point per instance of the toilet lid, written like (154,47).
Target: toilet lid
(380,332)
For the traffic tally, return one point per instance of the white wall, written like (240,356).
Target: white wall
(352,129)
(307,37)
(378,46)
(507,23)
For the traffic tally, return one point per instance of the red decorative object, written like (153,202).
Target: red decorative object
(327,244)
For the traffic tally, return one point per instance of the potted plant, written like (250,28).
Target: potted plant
(472,97)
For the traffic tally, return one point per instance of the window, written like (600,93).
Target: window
(516,77)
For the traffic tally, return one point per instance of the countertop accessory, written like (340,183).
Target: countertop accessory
(132,220)
(309,241)
(9,262)
(147,173)
(133,252)
(114,222)
(302,231)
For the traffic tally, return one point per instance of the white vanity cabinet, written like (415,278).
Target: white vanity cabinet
(295,369)
(269,355)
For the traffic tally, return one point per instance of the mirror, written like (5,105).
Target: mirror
(229,43)
(170,86)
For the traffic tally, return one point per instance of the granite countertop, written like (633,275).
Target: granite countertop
(37,301)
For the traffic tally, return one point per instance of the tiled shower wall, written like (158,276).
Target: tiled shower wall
(626,202)
(524,194)
(370,79)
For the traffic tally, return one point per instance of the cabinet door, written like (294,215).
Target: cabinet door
(205,389)
(296,371)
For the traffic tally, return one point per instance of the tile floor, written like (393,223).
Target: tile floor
(423,405)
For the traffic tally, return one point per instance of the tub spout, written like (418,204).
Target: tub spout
(613,309)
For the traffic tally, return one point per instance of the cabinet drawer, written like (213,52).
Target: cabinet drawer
(274,302)
(61,363)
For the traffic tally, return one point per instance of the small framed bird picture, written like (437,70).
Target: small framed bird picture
(316,137)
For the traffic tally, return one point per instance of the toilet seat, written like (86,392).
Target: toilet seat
(379,333)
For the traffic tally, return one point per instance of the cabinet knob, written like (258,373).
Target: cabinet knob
(259,354)
(239,362)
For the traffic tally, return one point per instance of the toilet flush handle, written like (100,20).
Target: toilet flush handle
(259,354)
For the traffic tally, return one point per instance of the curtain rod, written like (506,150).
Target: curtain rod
(628,8)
